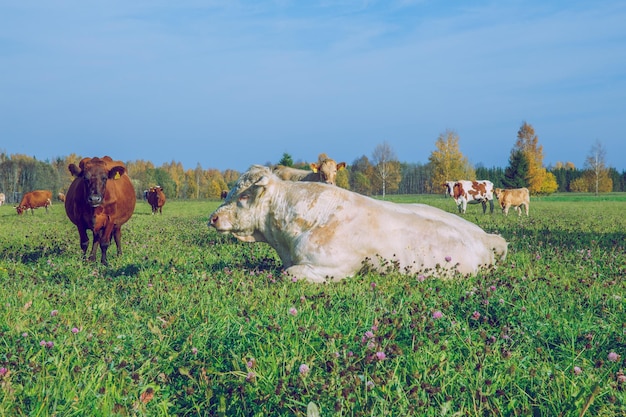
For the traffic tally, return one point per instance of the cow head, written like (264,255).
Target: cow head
(327,168)
(244,205)
(449,186)
(20,209)
(95,173)
(498,192)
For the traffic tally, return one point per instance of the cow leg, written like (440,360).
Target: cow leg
(97,238)
(484,203)
(105,240)
(491,206)
(313,274)
(84,240)
(117,235)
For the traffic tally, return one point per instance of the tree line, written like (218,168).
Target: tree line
(381,174)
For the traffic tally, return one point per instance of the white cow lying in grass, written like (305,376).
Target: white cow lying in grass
(325,232)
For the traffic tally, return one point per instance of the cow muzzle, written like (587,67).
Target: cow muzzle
(214,221)
(94,200)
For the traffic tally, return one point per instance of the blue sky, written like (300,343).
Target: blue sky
(227,84)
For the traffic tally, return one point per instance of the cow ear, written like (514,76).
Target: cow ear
(341,165)
(116,172)
(263,181)
(82,163)
(74,170)
(314,167)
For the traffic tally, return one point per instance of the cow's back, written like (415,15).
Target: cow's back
(294,174)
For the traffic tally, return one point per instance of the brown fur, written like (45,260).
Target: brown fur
(33,200)
(101,199)
(156,199)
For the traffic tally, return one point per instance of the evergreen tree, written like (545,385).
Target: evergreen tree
(286,160)
(516,174)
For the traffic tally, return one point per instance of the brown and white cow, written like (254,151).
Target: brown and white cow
(324,170)
(517,198)
(101,199)
(324,232)
(156,199)
(61,197)
(33,200)
(472,192)
(2,199)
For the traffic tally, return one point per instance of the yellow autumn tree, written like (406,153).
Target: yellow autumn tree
(178,175)
(540,180)
(448,163)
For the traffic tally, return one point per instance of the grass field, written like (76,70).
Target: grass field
(191,323)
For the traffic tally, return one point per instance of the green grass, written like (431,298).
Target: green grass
(189,322)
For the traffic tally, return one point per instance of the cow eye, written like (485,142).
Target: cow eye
(243,199)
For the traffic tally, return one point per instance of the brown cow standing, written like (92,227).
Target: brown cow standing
(33,200)
(156,198)
(518,198)
(101,198)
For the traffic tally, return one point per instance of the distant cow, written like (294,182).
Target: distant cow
(324,232)
(517,198)
(33,200)
(156,199)
(324,170)
(101,199)
(2,198)
(223,194)
(472,192)
(61,197)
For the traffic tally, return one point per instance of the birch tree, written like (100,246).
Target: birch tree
(386,166)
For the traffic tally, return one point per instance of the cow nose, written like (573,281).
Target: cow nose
(95,200)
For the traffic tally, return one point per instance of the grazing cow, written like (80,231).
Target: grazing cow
(472,192)
(513,197)
(2,198)
(33,200)
(156,199)
(61,197)
(324,232)
(324,170)
(223,194)
(101,199)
